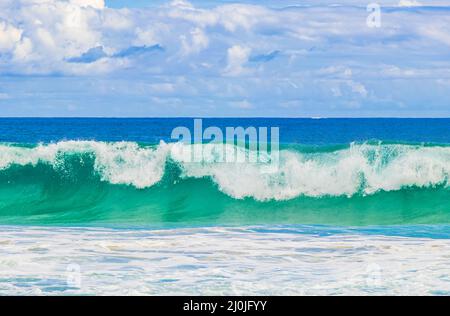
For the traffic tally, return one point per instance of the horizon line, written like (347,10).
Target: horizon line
(225,117)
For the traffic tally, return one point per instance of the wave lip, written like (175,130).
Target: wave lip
(117,163)
(363,169)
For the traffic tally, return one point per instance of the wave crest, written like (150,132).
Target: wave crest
(357,169)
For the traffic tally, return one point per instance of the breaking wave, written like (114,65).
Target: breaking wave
(357,169)
(88,181)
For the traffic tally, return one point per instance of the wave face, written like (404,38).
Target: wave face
(87,182)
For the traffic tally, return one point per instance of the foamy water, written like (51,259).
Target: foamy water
(215,261)
(360,168)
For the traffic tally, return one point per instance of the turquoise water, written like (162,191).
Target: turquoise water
(126,183)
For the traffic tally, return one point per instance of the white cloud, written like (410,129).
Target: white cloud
(196,42)
(327,57)
(409,3)
(237,56)
(42,35)
(98,4)
(45,33)
(181,4)
(238,16)
(358,87)
(114,20)
(9,36)
(395,71)
(223,51)
(22,51)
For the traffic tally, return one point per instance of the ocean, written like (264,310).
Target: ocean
(108,206)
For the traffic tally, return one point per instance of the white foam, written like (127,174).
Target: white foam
(361,168)
(218,261)
(117,163)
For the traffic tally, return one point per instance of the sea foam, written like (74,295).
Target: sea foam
(357,169)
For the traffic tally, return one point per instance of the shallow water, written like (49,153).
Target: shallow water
(263,260)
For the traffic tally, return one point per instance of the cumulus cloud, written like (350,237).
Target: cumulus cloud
(45,36)
(9,36)
(237,57)
(196,42)
(265,53)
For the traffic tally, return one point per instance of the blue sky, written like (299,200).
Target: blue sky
(281,58)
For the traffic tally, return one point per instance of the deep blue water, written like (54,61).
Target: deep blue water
(295,130)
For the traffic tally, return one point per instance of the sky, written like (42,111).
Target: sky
(221,58)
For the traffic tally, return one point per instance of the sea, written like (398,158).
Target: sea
(111,206)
